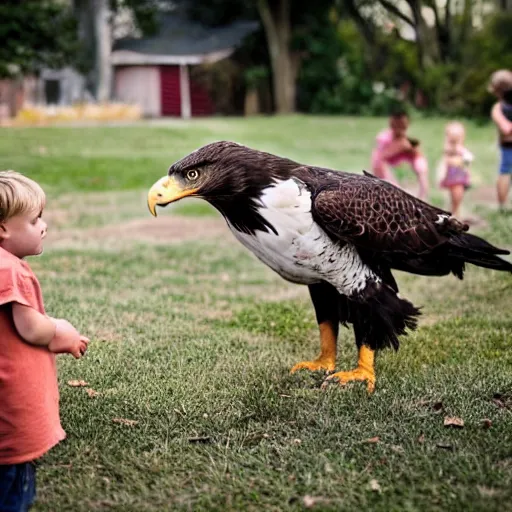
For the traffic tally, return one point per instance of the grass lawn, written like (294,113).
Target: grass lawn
(193,338)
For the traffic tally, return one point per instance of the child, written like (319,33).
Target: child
(501,86)
(394,147)
(456,159)
(29,340)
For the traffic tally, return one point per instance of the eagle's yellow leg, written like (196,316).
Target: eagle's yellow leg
(327,358)
(364,371)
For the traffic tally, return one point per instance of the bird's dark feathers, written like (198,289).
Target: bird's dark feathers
(389,227)
(374,214)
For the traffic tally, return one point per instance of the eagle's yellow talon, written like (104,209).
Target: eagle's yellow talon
(314,366)
(364,371)
(359,374)
(327,359)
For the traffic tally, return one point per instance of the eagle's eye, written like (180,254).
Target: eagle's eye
(192,175)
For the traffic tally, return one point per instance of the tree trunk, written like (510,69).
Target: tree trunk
(102,32)
(252,104)
(284,68)
(421,30)
(83,11)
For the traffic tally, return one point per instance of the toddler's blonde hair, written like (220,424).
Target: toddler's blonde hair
(455,128)
(19,194)
(500,82)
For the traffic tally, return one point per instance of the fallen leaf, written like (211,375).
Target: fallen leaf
(486,423)
(421,439)
(124,421)
(77,383)
(453,422)
(502,401)
(199,439)
(375,486)
(499,403)
(92,393)
(505,463)
(487,491)
(311,501)
(445,446)
(397,448)
(372,440)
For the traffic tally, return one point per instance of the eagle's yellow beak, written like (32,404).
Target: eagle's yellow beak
(166,190)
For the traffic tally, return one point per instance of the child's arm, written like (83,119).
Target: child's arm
(67,340)
(395,147)
(37,329)
(467,156)
(503,124)
(32,326)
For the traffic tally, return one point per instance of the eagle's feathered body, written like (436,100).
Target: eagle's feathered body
(302,252)
(339,233)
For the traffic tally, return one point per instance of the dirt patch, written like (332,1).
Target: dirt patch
(162,230)
(484,194)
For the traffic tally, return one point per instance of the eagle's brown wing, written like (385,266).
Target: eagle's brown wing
(376,216)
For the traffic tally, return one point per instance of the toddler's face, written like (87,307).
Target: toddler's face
(399,126)
(454,136)
(23,234)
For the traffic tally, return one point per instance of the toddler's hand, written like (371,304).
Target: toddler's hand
(67,340)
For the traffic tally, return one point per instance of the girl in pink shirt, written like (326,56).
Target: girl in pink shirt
(29,340)
(394,147)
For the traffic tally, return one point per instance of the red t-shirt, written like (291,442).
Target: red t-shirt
(29,394)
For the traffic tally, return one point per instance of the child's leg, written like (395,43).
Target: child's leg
(456,194)
(382,169)
(17,487)
(420,167)
(503,184)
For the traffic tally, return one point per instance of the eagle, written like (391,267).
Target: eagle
(341,234)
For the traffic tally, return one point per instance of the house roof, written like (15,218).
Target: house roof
(181,41)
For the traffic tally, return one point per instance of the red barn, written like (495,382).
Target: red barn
(154,71)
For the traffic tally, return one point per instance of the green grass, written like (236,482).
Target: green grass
(120,158)
(194,339)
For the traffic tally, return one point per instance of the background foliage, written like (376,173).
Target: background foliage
(352,56)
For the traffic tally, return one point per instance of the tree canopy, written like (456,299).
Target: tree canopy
(35,33)
(328,56)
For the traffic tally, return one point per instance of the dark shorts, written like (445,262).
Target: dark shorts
(506,160)
(17,487)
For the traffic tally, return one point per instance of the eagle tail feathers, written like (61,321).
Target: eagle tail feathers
(473,249)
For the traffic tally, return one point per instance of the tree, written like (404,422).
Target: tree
(35,34)
(285,22)
(442,42)
(276,19)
